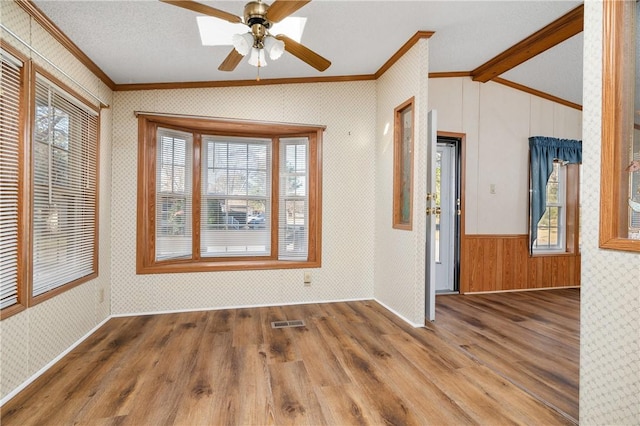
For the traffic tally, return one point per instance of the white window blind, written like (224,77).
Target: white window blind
(235,197)
(65,143)
(174,170)
(294,202)
(10,84)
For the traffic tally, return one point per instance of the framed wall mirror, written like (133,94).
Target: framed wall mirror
(620,166)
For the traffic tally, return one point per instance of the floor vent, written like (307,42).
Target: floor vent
(286,324)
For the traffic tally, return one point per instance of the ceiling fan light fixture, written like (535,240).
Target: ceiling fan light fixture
(243,43)
(257,58)
(274,47)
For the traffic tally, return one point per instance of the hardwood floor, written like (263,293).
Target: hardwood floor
(508,358)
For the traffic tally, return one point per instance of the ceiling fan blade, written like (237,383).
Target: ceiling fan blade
(231,61)
(304,53)
(280,9)
(206,10)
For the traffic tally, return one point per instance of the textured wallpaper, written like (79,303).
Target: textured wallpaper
(36,336)
(610,308)
(400,254)
(348,112)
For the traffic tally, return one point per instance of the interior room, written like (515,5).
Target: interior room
(331,227)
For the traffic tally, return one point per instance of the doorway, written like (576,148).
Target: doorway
(448,214)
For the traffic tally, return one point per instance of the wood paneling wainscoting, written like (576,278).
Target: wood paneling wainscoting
(502,262)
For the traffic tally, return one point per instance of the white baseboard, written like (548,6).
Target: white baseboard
(396,313)
(51,363)
(267,305)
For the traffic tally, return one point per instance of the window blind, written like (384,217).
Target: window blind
(173,194)
(65,143)
(293,232)
(236,197)
(10,85)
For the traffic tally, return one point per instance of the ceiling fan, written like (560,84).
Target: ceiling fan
(259,17)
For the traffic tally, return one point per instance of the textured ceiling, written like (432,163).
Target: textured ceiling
(151,42)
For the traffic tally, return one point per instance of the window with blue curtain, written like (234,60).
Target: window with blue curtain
(543,152)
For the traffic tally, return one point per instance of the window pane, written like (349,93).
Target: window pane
(551,225)
(257,183)
(237,156)
(64,193)
(293,235)
(237,220)
(257,157)
(237,184)
(173,195)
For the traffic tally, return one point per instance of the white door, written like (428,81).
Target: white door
(430,273)
(445,217)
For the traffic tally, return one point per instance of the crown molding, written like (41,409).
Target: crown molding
(405,47)
(239,83)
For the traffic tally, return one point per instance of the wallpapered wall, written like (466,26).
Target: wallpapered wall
(347,109)
(610,307)
(36,336)
(400,254)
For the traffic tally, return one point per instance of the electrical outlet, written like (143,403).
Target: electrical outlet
(101,295)
(492,188)
(307,278)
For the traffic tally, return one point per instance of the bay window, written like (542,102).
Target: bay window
(227,195)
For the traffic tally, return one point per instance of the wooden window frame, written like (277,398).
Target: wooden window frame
(617,127)
(25,226)
(571,215)
(23,188)
(562,205)
(34,300)
(148,124)
(400,158)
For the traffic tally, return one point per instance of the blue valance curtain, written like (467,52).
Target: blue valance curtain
(543,151)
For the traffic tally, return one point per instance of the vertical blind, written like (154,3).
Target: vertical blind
(10,83)
(173,194)
(293,232)
(65,143)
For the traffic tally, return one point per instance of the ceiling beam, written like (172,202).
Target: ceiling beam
(555,33)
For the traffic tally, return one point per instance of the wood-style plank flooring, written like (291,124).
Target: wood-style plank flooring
(489,359)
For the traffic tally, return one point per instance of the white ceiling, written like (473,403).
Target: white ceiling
(147,41)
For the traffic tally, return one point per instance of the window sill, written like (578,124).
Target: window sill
(551,253)
(240,265)
(12,310)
